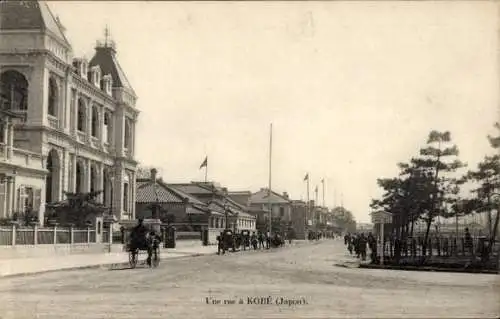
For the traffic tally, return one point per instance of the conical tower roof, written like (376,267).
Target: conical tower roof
(31,15)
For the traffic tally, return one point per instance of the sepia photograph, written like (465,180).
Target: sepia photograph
(249,159)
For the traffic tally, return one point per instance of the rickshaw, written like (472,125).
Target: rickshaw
(228,240)
(149,242)
(245,238)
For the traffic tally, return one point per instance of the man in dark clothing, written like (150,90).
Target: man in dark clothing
(254,241)
(220,244)
(350,244)
(362,246)
(372,242)
(261,240)
(138,235)
(356,245)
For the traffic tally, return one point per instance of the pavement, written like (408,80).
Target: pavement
(300,281)
(25,266)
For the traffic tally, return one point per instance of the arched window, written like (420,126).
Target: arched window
(126,141)
(13,91)
(79,178)
(95,121)
(125,196)
(93,178)
(81,116)
(106,130)
(2,135)
(53,92)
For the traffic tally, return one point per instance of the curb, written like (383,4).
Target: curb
(103,265)
(431,269)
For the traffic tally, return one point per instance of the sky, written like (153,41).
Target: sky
(351,88)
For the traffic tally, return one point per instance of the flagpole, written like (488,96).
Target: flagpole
(270,175)
(334,198)
(323,192)
(308,201)
(315,211)
(206,171)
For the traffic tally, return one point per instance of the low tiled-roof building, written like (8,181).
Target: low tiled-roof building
(234,214)
(156,199)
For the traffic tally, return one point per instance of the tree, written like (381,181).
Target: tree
(495,143)
(436,165)
(345,219)
(78,209)
(487,176)
(405,197)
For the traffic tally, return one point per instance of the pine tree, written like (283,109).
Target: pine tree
(437,161)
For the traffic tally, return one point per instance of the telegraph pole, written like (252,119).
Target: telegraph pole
(270,176)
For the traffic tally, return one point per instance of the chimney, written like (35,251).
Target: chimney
(154,172)
(285,194)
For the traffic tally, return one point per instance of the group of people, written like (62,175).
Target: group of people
(358,244)
(258,240)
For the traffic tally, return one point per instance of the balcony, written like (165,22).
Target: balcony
(81,136)
(53,122)
(94,142)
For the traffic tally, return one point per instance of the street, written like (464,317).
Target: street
(302,281)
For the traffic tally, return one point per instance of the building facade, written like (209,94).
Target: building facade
(22,175)
(280,205)
(78,115)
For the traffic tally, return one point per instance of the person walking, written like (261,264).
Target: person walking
(261,240)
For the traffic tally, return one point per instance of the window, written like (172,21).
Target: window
(52,107)
(125,197)
(106,132)
(79,177)
(2,135)
(25,199)
(126,141)
(95,121)
(93,178)
(282,211)
(13,91)
(81,116)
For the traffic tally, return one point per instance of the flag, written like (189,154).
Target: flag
(205,162)
(306,178)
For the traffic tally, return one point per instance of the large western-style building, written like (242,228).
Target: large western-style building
(74,120)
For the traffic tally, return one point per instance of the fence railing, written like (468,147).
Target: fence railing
(441,247)
(10,236)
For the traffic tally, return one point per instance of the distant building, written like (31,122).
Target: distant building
(279,205)
(229,212)
(364,227)
(77,116)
